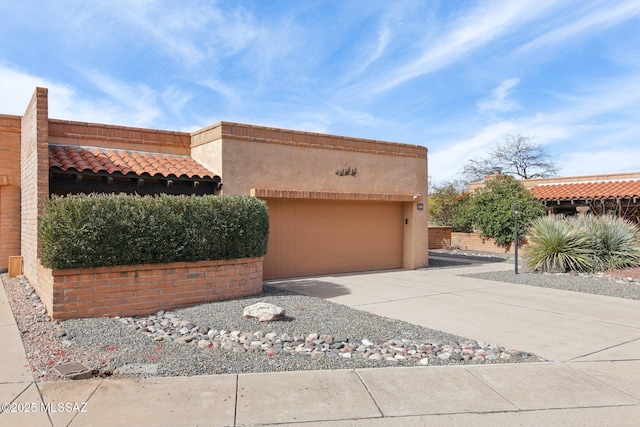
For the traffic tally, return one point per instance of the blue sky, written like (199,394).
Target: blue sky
(454,76)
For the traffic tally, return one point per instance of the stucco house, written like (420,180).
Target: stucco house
(336,204)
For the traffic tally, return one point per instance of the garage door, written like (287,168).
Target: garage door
(310,237)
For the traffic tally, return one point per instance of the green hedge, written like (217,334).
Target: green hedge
(101,230)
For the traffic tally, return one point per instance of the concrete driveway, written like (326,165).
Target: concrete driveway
(554,324)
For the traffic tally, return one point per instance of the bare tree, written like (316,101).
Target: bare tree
(517,156)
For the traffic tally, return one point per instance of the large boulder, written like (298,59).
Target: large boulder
(264,312)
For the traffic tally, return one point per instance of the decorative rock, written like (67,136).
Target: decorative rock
(168,328)
(264,312)
(271,336)
(285,338)
(327,338)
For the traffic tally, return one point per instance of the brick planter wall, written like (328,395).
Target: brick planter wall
(144,289)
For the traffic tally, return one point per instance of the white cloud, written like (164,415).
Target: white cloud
(191,32)
(481,26)
(600,162)
(131,104)
(224,90)
(18,87)
(123,104)
(176,99)
(498,101)
(445,164)
(384,36)
(595,19)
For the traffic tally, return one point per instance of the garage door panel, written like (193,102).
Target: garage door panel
(342,211)
(325,210)
(286,209)
(285,247)
(305,209)
(322,237)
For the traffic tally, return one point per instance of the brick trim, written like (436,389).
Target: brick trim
(264,193)
(244,132)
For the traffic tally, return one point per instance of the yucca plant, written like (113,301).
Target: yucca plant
(614,239)
(555,245)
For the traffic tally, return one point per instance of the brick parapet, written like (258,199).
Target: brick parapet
(64,132)
(144,289)
(244,132)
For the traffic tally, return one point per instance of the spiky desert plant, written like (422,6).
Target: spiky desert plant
(555,245)
(615,241)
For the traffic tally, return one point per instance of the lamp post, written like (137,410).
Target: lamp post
(515,218)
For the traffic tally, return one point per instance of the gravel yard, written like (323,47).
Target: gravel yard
(316,334)
(621,283)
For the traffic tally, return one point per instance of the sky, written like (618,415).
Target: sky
(454,76)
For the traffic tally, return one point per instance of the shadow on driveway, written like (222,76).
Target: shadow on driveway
(451,259)
(311,287)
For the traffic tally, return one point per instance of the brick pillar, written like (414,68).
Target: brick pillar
(34,168)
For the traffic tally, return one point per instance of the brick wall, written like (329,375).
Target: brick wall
(34,177)
(439,236)
(475,242)
(9,188)
(144,289)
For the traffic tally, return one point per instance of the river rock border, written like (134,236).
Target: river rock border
(167,327)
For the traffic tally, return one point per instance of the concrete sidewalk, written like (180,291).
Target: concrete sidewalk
(595,378)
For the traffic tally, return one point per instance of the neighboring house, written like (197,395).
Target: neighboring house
(616,194)
(336,204)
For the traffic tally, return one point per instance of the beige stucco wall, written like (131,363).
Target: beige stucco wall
(252,157)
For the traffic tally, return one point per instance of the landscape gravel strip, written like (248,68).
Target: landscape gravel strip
(622,284)
(124,347)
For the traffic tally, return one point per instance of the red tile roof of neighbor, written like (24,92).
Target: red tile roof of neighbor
(125,162)
(587,190)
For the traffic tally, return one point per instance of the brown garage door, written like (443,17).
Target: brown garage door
(309,237)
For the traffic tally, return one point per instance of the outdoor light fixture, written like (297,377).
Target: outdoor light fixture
(515,218)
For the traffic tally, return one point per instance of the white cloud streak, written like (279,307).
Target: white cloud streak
(480,27)
(607,15)
(498,102)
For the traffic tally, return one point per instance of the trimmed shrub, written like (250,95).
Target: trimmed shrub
(584,243)
(101,230)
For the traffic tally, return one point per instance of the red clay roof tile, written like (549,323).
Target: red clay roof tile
(587,190)
(125,162)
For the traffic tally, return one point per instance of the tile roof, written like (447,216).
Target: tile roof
(587,190)
(135,163)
